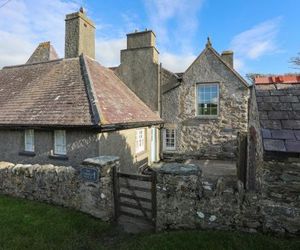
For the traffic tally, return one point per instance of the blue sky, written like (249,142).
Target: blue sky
(263,34)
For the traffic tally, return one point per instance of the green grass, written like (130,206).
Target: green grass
(32,225)
(207,240)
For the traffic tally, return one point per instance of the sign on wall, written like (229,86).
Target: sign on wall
(89,174)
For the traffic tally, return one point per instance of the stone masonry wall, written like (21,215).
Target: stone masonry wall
(64,186)
(185,199)
(205,137)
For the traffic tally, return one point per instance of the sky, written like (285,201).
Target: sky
(264,34)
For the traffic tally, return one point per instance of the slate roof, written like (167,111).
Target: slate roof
(117,103)
(278,101)
(68,92)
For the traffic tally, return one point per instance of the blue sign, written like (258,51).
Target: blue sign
(89,174)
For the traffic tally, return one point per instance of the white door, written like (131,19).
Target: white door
(153,145)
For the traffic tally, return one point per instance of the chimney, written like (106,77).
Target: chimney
(139,68)
(227,57)
(142,39)
(80,35)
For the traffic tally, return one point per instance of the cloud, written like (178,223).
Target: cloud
(170,19)
(108,51)
(176,63)
(175,23)
(23,24)
(256,42)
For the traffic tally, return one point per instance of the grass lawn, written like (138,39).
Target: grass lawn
(32,225)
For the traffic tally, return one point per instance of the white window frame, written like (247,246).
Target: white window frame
(60,142)
(29,140)
(167,147)
(198,99)
(140,141)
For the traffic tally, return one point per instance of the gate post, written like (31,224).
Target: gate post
(242,157)
(116,192)
(153,197)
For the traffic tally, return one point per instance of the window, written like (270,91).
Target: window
(60,147)
(140,140)
(29,140)
(208,100)
(169,139)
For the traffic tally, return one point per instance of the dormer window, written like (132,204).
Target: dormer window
(207,100)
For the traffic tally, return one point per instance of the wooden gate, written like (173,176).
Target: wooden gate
(135,196)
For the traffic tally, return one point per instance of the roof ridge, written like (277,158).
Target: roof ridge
(219,57)
(230,68)
(91,93)
(30,64)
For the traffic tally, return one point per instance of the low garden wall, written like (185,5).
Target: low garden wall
(87,188)
(186,199)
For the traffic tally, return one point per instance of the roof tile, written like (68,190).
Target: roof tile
(274,145)
(293,146)
(278,115)
(283,134)
(291,124)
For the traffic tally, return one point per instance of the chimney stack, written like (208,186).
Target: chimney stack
(227,57)
(80,35)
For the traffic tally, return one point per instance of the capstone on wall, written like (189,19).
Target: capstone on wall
(207,138)
(123,144)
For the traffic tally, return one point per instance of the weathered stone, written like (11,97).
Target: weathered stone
(63,185)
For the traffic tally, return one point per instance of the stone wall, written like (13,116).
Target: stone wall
(186,199)
(67,186)
(203,137)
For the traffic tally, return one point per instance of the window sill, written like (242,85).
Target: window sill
(137,154)
(59,157)
(169,149)
(207,117)
(27,153)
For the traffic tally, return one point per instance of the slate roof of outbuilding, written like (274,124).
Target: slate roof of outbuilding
(278,102)
(68,92)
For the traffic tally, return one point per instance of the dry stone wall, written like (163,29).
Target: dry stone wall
(87,188)
(186,199)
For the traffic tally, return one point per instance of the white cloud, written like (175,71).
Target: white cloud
(256,42)
(23,24)
(108,51)
(175,23)
(176,63)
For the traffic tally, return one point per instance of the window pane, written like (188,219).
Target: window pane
(169,139)
(29,140)
(60,146)
(208,99)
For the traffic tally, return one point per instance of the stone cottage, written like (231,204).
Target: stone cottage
(204,107)
(63,111)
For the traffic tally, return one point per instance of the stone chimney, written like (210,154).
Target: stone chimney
(80,35)
(227,57)
(143,40)
(139,68)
